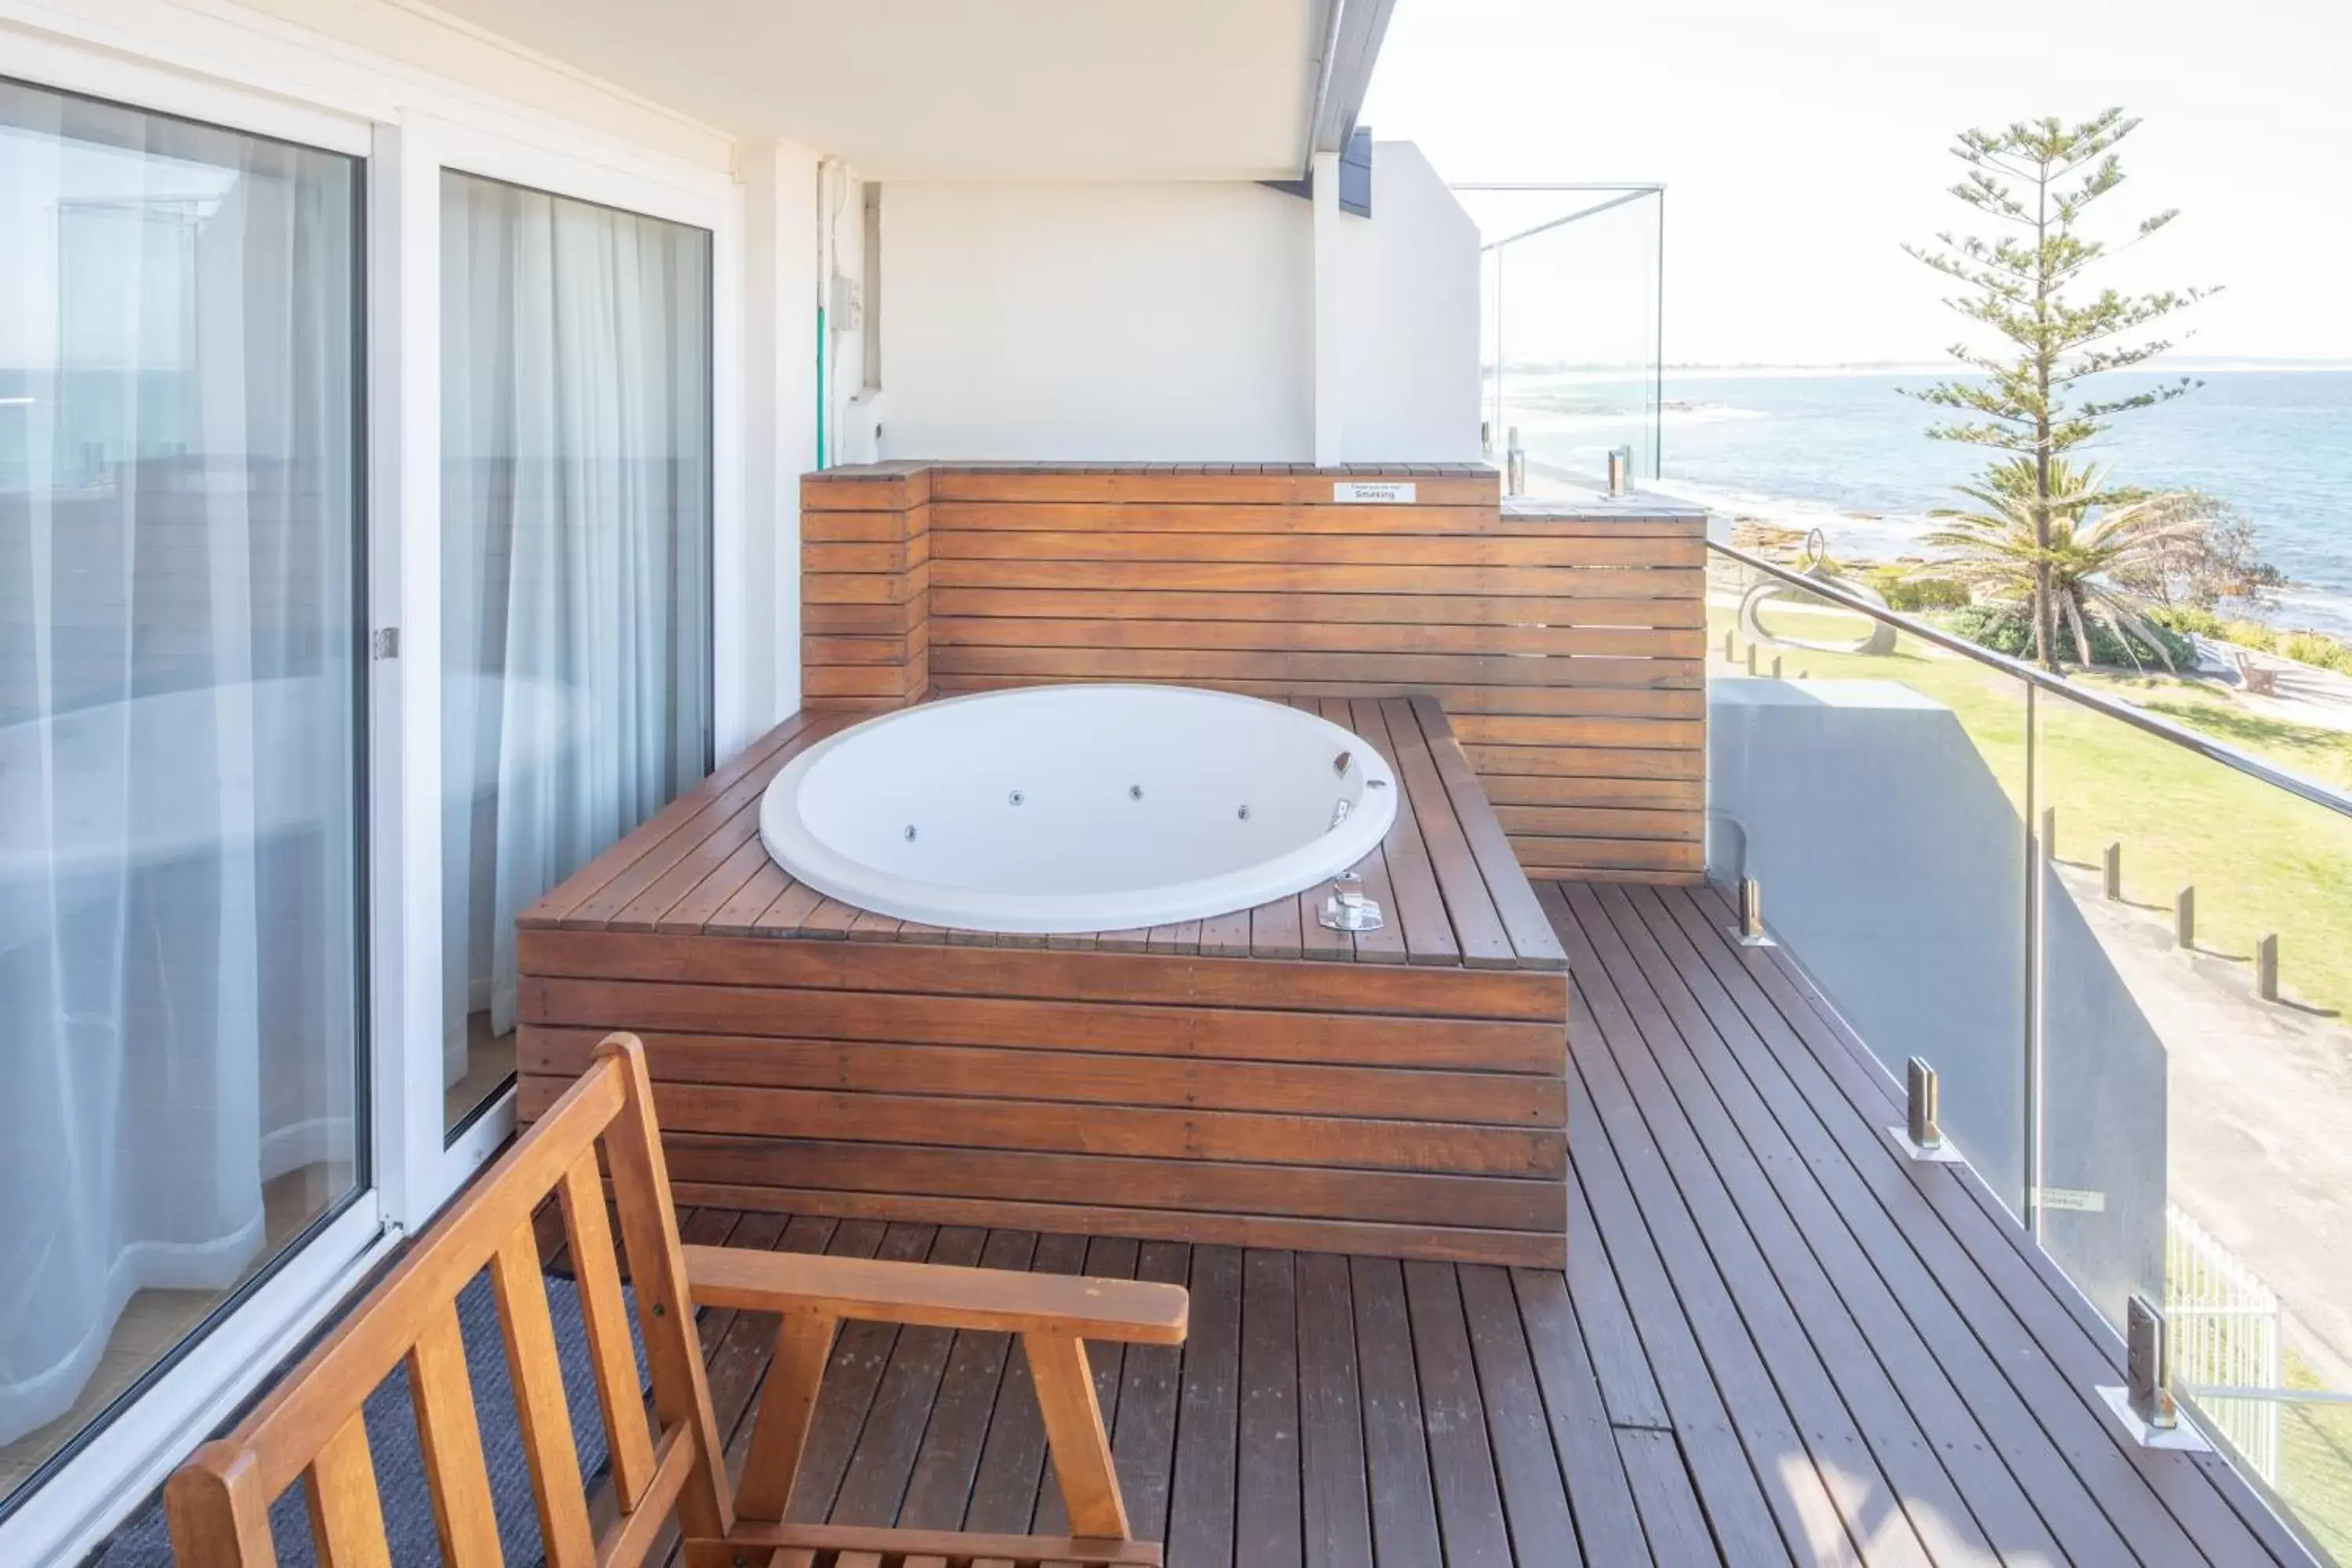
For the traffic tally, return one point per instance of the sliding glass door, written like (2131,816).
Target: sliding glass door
(181,1047)
(576,567)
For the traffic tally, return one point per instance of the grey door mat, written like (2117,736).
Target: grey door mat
(144,1542)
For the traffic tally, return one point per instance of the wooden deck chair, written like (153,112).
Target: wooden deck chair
(311,1428)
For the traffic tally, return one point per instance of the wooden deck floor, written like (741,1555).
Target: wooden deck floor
(1775,1341)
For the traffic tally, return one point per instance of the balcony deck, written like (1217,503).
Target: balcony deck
(1775,1341)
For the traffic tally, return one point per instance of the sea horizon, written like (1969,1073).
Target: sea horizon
(1843,451)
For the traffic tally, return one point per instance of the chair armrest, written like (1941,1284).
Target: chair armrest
(938,1295)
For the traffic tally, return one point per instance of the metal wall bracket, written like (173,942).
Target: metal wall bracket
(1921,1136)
(1749,928)
(2144,1405)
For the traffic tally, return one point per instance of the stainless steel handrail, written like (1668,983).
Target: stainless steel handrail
(2213,750)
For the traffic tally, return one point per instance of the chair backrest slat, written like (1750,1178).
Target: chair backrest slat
(346,1514)
(451,1443)
(605,1316)
(664,1307)
(311,1426)
(545,1419)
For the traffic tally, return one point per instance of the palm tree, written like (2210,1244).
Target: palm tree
(2099,539)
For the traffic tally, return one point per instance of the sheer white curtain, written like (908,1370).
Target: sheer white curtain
(178,713)
(575,538)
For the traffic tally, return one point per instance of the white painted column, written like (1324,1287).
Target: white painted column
(779,302)
(1327,436)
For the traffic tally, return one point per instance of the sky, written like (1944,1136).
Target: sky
(1801,141)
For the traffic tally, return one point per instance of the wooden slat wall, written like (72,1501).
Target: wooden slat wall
(1566,646)
(866,542)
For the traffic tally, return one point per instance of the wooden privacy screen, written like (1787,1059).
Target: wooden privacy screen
(1566,644)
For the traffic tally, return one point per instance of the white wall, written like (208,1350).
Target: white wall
(1173,321)
(1409,318)
(1097,320)
(779,290)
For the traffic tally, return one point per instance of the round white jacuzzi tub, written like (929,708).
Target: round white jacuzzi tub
(1078,808)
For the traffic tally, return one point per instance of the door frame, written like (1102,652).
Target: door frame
(420,1168)
(110,1467)
(216,63)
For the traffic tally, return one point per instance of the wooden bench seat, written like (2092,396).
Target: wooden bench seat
(311,1429)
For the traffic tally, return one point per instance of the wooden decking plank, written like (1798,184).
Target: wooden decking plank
(1477,926)
(1108,1257)
(832,918)
(860,1351)
(1184,936)
(939,1492)
(1600,1494)
(743,908)
(1152,1381)
(871,927)
(558,901)
(1629,1390)
(1396,1450)
(1530,931)
(784,917)
(1744,1502)
(1013,1459)
(719,845)
(1266,1514)
(875,1485)
(1386,945)
(1201,1497)
(1813,1516)
(2015,1482)
(1318,940)
(2159,1502)
(1226,936)
(1461,1461)
(1535,1494)
(1984,1276)
(715,891)
(1866,1441)
(637,893)
(1420,907)
(1673,1518)
(1336,1525)
(1274,929)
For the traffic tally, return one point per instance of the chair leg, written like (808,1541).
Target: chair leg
(787,1404)
(1074,1426)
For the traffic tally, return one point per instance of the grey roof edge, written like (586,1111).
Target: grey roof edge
(1343,78)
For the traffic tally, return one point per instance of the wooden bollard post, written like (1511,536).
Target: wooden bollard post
(2266,968)
(1730,651)
(2114,864)
(1751,659)
(2049,833)
(2184,919)
(1776,667)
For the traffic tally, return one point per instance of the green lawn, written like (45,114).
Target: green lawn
(2316,1464)
(2262,860)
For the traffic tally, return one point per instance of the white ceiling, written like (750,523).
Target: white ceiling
(961,88)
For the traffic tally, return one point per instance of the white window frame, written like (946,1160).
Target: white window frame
(213,63)
(127,1457)
(404,342)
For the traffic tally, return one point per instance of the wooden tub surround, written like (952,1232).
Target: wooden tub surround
(1565,641)
(1253,1079)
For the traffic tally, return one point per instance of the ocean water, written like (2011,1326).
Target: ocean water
(1848,454)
